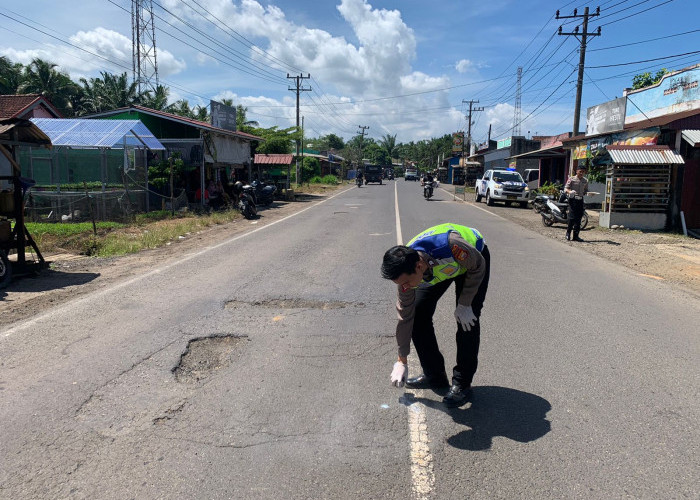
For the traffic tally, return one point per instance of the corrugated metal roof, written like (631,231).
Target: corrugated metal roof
(644,155)
(692,136)
(273,159)
(84,133)
(27,133)
(180,119)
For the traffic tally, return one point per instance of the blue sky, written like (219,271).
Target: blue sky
(399,67)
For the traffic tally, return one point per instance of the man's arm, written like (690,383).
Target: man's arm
(406,311)
(471,259)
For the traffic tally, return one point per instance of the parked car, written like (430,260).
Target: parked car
(502,185)
(532,177)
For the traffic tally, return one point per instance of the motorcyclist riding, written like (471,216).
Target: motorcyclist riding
(428,182)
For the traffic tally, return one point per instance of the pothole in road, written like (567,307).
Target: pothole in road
(205,355)
(294,304)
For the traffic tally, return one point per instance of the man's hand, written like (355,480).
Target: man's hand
(465,317)
(399,374)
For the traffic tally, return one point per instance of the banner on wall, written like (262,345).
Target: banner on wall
(457,142)
(606,117)
(645,137)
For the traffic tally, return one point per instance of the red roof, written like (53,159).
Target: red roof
(14,106)
(273,159)
(178,118)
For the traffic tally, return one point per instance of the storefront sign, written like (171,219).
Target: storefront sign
(504,143)
(223,116)
(606,117)
(457,142)
(646,137)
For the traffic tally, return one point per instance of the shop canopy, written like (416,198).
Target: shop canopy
(89,133)
(643,155)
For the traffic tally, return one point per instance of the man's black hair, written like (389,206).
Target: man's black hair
(399,260)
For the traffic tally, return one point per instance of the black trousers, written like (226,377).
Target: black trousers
(574,216)
(424,339)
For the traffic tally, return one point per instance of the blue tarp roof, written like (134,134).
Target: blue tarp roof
(90,133)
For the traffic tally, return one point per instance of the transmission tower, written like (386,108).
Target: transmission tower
(517,114)
(143,45)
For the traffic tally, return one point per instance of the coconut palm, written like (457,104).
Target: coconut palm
(10,76)
(157,99)
(388,143)
(41,77)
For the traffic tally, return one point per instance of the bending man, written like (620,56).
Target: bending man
(423,271)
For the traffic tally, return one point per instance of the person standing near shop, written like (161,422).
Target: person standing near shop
(576,188)
(423,270)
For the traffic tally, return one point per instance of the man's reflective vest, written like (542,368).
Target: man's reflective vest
(434,241)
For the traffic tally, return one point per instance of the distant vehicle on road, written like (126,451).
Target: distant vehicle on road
(373,173)
(411,174)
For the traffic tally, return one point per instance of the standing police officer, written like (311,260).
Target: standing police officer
(423,271)
(576,188)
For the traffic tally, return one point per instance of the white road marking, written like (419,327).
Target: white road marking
(422,475)
(76,302)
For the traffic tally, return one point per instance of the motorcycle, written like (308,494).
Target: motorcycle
(539,202)
(557,211)
(264,193)
(358,181)
(428,188)
(246,203)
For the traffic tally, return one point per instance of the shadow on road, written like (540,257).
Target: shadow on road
(496,411)
(49,279)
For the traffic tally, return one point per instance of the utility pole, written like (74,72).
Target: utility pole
(362,137)
(298,88)
(469,122)
(582,55)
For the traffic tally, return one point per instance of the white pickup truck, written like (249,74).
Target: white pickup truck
(502,185)
(411,174)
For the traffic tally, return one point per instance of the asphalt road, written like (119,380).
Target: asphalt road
(587,386)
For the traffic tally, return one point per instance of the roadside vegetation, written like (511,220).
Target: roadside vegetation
(151,230)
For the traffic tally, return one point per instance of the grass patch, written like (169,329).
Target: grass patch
(148,231)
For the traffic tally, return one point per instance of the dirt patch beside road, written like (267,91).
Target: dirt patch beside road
(660,256)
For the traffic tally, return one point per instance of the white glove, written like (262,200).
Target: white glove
(465,317)
(399,374)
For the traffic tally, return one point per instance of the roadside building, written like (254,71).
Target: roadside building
(501,157)
(649,161)
(551,159)
(208,152)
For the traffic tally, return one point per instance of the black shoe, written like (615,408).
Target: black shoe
(457,396)
(576,238)
(422,381)
(568,236)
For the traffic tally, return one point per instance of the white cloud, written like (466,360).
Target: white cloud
(463,65)
(106,50)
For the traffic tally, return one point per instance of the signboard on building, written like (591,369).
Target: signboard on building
(646,137)
(504,143)
(223,116)
(606,117)
(677,91)
(458,142)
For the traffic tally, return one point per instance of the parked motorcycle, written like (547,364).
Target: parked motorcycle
(557,211)
(264,193)
(539,202)
(246,200)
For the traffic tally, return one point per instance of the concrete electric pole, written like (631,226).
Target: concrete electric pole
(582,56)
(298,88)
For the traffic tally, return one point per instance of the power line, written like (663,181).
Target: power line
(645,60)
(637,13)
(643,41)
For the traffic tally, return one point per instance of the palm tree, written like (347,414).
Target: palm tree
(157,99)
(388,143)
(10,76)
(181,108)
(117,92)
(42,77)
